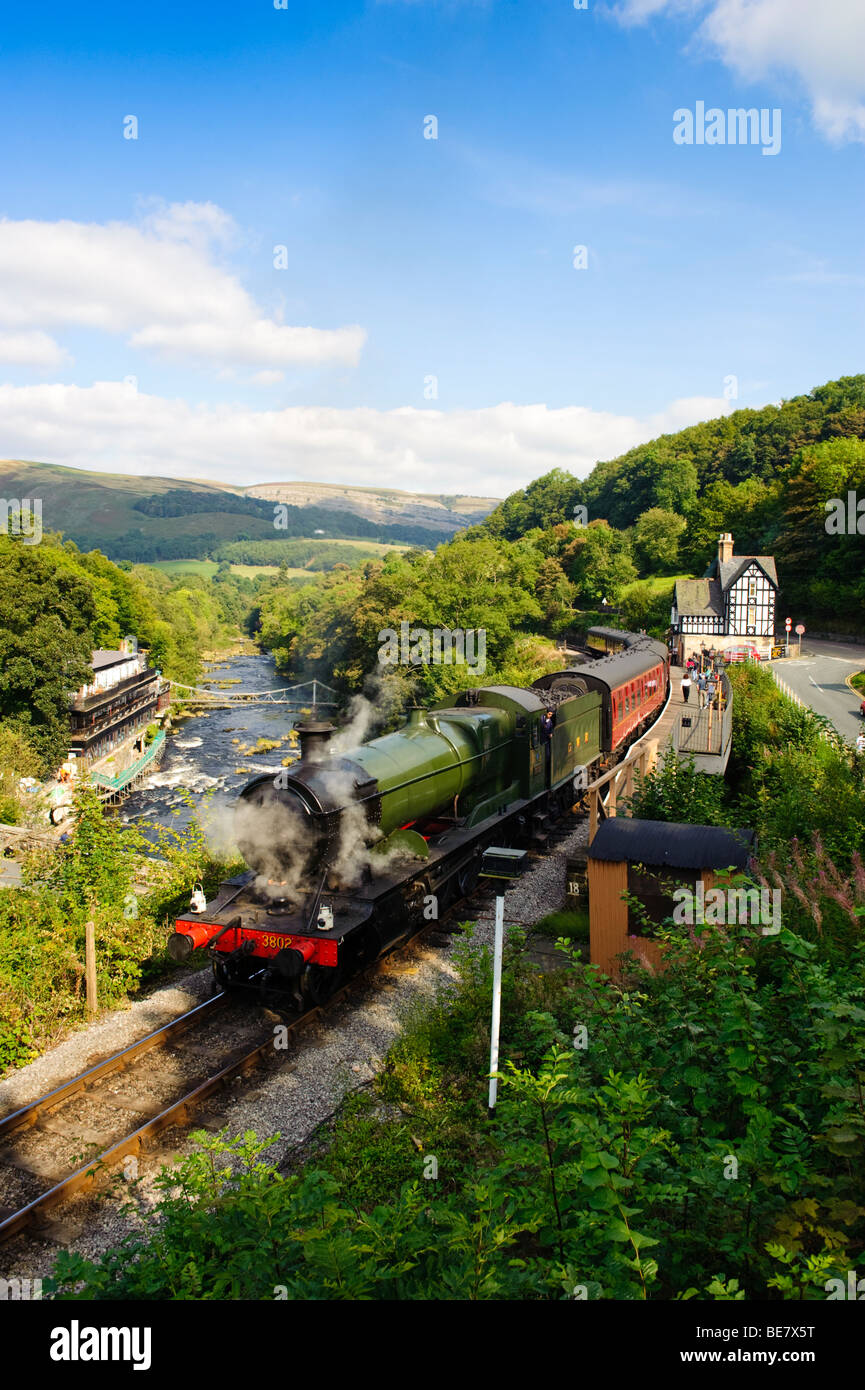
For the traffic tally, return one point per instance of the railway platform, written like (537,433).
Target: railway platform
(704,735)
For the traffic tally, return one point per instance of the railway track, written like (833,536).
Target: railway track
(31,1185)
(36,1120)
(41,1142)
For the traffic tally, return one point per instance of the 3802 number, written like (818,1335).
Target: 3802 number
(275,941)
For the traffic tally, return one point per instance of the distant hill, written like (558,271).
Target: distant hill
(152,518)
(388,506)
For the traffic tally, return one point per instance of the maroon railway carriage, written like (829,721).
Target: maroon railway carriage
(632,683)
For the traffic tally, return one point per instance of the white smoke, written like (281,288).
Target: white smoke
(277,842)
(369,712)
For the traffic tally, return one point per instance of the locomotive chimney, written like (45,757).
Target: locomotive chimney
(725,547)
(315,734)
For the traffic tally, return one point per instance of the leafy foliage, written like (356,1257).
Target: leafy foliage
(765,475)
(707,1141)
(673,790)
(131,889)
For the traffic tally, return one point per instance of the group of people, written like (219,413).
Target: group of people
(706,682)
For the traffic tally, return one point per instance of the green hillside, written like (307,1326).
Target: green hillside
(143,519)
(764,475)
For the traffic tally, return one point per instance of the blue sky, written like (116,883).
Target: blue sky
(143,326)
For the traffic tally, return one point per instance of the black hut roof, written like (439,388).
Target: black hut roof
(665,845)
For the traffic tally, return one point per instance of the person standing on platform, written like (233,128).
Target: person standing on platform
(686,687)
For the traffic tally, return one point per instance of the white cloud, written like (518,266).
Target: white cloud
(32,349)
(489,451)
(822,44)
(157,281)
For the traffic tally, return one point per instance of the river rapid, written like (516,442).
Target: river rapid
(202,755)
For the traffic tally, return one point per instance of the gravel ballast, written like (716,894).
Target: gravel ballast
(322,1066)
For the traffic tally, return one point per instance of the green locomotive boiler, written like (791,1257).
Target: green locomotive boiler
(351,852)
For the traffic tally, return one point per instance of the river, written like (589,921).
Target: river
(202,753)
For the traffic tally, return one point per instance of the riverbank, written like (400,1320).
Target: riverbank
(211,753)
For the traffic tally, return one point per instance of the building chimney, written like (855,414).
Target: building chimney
(725,547)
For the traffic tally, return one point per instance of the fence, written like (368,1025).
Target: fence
(785,690)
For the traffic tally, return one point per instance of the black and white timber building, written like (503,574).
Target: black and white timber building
(732,606)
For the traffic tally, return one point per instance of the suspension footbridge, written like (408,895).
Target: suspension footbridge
(304,695)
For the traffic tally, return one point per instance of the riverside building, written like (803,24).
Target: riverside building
(123,697)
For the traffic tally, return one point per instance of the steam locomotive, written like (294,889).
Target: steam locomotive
(351,853)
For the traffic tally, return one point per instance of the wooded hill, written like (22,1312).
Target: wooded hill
(764,475)
(151,518)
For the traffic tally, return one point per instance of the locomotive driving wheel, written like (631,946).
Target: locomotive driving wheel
(468,877)
(321,983)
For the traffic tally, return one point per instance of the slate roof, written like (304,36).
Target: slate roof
(699,598)
(728,571)
(664,845)
(102,658)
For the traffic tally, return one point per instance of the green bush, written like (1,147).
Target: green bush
(696,1133)
(573,926)
(91,877)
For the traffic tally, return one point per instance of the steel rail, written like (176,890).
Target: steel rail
(29,1115)
(176,1112)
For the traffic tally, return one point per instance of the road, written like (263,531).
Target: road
(818,679)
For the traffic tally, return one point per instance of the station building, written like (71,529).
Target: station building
(732,606)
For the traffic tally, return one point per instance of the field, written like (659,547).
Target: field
(207,568)
(658,583)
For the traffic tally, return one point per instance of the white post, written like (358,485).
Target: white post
(497,1001)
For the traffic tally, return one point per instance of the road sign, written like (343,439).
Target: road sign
(788,623)
(800,628)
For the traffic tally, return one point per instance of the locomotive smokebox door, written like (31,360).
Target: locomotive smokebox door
(498,862)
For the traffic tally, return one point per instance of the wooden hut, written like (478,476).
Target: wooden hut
(649,860)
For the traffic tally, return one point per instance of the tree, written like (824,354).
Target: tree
(656,540)
(643,608)
(45,644)
(598,562)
